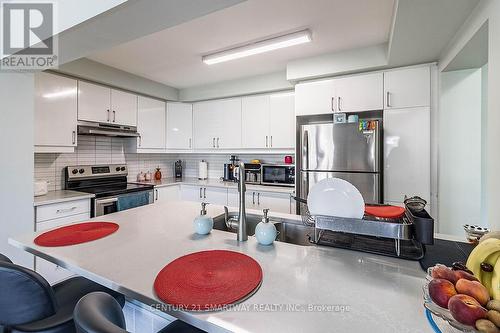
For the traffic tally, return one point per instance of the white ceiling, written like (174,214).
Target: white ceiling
(173,56)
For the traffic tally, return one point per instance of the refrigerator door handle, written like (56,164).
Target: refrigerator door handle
(305,150)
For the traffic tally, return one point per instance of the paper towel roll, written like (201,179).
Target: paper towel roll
(202,170)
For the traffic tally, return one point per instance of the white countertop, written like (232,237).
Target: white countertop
(60,196)
(215,182)
(381,294)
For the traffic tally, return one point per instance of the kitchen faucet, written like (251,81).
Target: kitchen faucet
(241,223)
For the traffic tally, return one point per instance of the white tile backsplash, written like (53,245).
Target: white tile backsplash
(107,150)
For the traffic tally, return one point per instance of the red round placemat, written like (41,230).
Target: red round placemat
(208,280)
(386,212)
(76,234)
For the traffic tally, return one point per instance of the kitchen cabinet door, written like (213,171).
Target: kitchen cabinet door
(167,193)
(191,193)
(151,114)
(315,97)
(55,107)
(215,195)
(206,124)
(282,121)
(255,121)
(360,93)
(406,153)
(275,202)
(228,123)
(410,87)
(123,108)
(179,126)
(94,102)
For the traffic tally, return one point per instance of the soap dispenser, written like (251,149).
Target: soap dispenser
(265,231)
(203,224)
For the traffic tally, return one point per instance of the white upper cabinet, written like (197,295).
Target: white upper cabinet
(410,87)
(217,124)
(406,153)
(123,108)
(359,93)
(104,105)
(268,121)
(205,125)
(316,97)
(255,121)
(282,121)
(55,113)
(179,126)
(151,123)
(94,102)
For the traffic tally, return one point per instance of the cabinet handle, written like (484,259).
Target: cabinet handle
(213,142)
(140,141)
(271,141)
(189,142)
(204,193)
(333,104)
(388,99)
(253,198)
(73,136)
(66,210)
(200,192)
(258,198)
(338,104)
(266,142)
(114,115)
(217,142)
(156,195)
(108,115)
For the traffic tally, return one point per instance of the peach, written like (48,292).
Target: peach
(441,291)
(443,272)
(465,275)
(474,289)
(465,309)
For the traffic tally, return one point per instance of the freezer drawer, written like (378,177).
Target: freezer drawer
(367,183)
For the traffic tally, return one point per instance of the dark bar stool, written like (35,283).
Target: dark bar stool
(100,313)
(29,304)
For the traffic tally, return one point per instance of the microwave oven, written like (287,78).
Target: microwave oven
(278,174)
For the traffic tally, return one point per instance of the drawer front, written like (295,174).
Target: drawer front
(63,209)
(50,224)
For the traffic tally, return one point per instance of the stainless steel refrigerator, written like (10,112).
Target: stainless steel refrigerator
(343,151)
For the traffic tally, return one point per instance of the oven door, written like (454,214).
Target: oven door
(103,206)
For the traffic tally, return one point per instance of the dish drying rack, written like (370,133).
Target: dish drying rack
(404,237)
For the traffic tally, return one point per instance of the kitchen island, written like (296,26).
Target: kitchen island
(304,288)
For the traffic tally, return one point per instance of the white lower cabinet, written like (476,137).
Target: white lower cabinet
(167,193)
(275,201)
(213,195)
(52,216)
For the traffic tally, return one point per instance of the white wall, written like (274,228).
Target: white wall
(246,86)
(94,71)
(16,166)
(460,164)
(487,11)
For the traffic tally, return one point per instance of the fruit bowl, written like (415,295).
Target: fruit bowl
(442,312)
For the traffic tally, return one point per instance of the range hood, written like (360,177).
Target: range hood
(104,129)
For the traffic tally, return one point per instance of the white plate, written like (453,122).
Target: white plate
(336,197)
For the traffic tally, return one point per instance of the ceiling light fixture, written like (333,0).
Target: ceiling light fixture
(266,45)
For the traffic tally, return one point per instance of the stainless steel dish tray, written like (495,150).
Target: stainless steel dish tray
(400,229)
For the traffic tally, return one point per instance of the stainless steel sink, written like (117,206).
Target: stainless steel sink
(289,231)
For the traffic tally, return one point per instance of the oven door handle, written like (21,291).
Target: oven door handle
(106,201)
